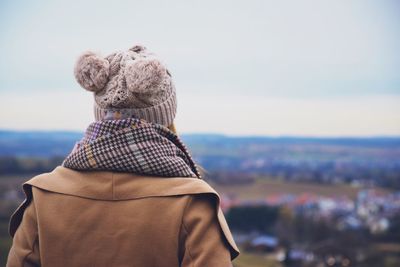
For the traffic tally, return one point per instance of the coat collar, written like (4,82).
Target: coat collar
(108,185)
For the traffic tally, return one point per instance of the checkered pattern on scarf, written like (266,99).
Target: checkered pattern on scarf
(132,145)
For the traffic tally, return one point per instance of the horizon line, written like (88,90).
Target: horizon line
(281,136)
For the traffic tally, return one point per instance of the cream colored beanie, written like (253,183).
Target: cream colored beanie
(132,83)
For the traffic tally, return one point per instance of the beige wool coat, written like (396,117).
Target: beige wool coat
(103,218)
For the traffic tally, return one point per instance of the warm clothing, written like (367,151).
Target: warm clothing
(102,218)
(132,145)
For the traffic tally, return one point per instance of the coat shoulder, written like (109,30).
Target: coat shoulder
(106,185)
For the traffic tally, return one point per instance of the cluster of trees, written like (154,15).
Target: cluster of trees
(253,218)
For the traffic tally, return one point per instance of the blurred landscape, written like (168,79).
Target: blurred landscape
(248,69)
(290,201)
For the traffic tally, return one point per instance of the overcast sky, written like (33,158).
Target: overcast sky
(314,68)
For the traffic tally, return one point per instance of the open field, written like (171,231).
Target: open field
(247,259)
(265,187)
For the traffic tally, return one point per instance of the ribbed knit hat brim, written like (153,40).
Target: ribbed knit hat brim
(162,113)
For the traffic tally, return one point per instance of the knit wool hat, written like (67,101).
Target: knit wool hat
(132,83)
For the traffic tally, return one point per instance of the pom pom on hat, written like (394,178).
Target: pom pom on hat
(91,71)
(144,75)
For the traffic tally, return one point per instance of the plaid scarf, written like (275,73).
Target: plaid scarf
(132,145)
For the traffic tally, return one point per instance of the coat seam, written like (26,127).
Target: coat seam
(186,230)
(32,250)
